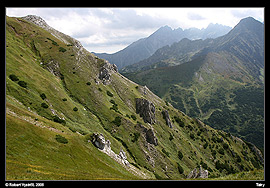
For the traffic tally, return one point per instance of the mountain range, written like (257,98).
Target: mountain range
(71,115)
(145,47)
(220,81)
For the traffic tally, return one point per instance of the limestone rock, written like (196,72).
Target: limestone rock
(99,140)
(53,67)
(192,174)
(148,134)
(201,173)
(122,156)
(104,74)
(115,67)
(151,138)
(146,109)
(37,21)
(106,71)
(167,118)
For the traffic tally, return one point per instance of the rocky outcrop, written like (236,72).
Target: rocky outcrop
(37,21)
(123,158)
(148,134)
(99,141)
(53,67)
(105,146)
(106,71)
(167,118)
(151,138)
(146,109)
(201,173)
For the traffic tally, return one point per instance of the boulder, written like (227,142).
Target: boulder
(151,138)
(146,109)
(167,118)
(201,173)
(99,141)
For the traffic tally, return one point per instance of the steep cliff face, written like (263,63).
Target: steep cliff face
(57,100)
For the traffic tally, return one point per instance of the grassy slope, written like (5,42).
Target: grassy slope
(33,152)
(214,88)
(84,161)
(222,100)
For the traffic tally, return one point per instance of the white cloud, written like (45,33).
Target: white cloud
(112,29)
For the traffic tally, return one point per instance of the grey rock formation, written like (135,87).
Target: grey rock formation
(99,141)
(115,68)
(167,118)
(106,71)
(151,138)
(37,21)
(146,109)
(53,67)
(193,174)
(104,74)
(201,173)
(122,156)
(148,134)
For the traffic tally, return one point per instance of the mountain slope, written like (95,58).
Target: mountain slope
(59,96)
(227,79)
(145,47)
(176,54)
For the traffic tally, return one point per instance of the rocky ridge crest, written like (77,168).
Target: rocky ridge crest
(37,20)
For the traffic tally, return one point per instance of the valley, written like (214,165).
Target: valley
(216,83)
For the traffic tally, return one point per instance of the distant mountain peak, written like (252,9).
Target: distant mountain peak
(248,19)
(166,27)
(249,23)
(163,29)
(212,25)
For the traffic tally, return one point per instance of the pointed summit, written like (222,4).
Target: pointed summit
(249,24)
(162,31)
(166,27)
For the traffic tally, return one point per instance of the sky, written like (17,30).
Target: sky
(109,30)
